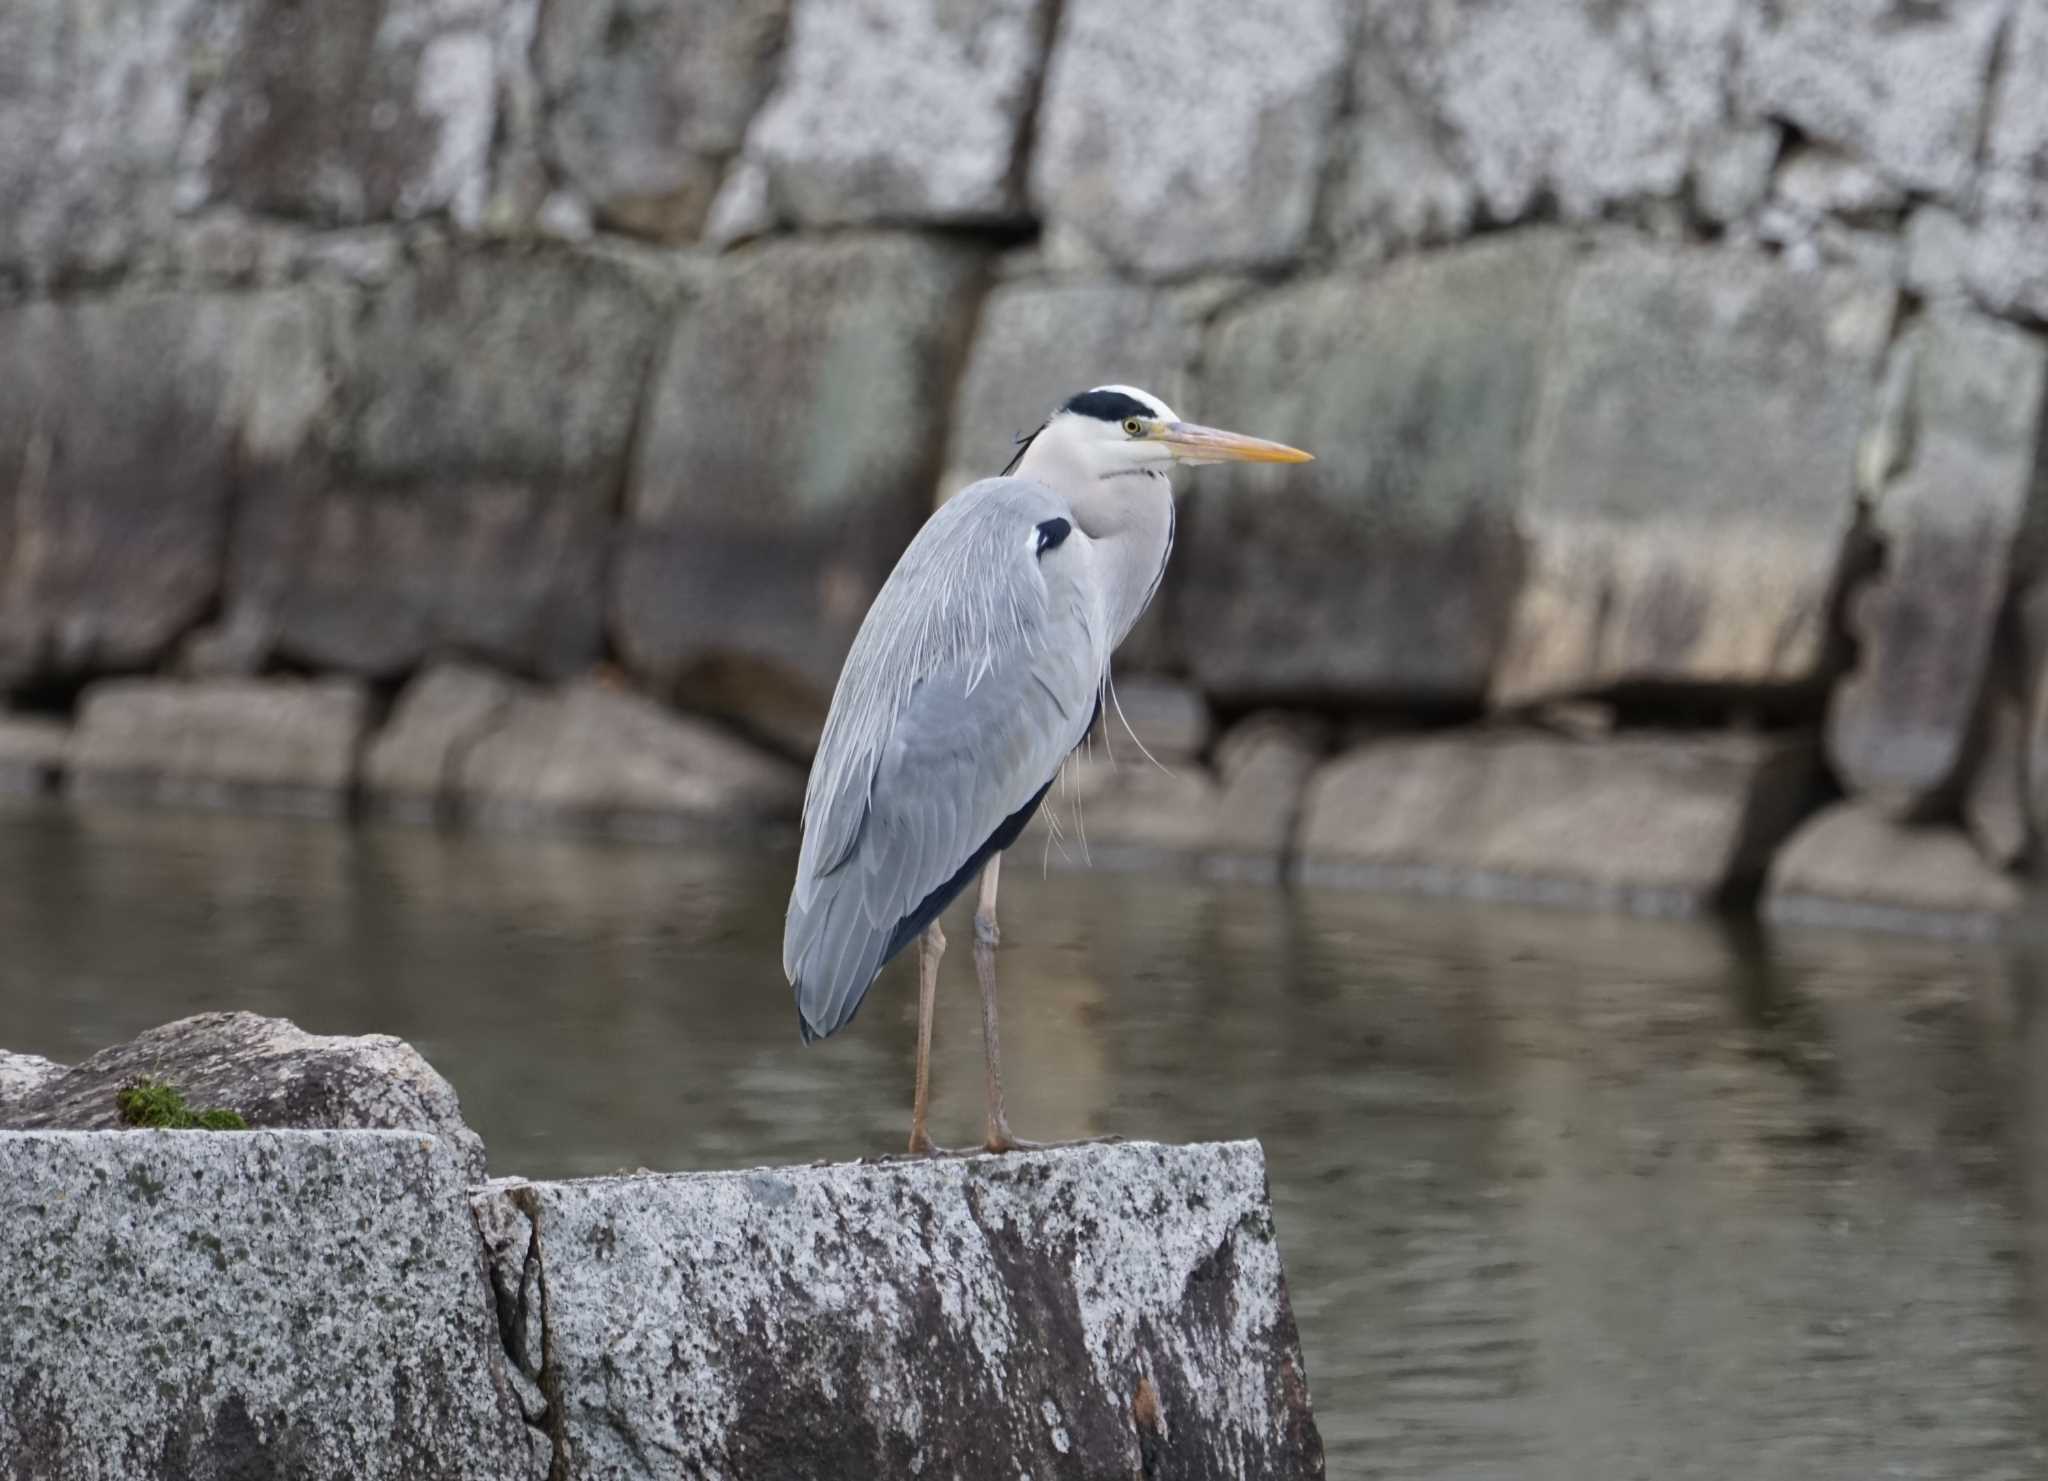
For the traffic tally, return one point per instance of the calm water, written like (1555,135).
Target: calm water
(1561,1196)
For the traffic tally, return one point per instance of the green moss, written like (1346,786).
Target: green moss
(153,1104)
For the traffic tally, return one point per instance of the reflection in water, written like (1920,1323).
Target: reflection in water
(1561,1196)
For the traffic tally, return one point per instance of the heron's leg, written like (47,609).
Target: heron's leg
(930,947)
(986,935)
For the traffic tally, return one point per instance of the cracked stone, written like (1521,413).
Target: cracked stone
(1089,1311)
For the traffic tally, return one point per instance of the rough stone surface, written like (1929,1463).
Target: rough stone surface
(1899,727)
(1853,866)
(412,767)
(1696,548)
(282,744)
(111,521)
(789,455)
(1114,807)
(1459,109)
(1905,91)
(1995,800)
(93,101)
(646,101)
(2034,699)
(593,756)
(20,1075)
(1662,824)
(900,110)
(351,113)
(1107,1311)
(1173,179)
(272,1071)
(1037,343)
(214,1305)
(491,404)
(32,753)
(507,364)
(1385,570)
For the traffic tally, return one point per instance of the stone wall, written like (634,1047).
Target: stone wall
(478,409)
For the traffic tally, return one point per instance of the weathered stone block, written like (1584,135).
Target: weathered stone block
(412,768)
(1664,824)
(504,364)
(1171,180)
(31,753)
(215,1304)
(1853,866)
(1703,547)
(1386,569)
(1102,1311)
(1898,727)
(1907,96)
(1037,343)
(789,455)
(275,1073)
(593,756)
(280,744)
(20,1075)
(126,424)
(900,110)
(1459,108)
(492,399)
(352,113)
(374,579)
(1114,807)
(94,99)
(1995,800)
(645,102)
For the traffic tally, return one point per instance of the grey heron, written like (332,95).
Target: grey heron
(979,668)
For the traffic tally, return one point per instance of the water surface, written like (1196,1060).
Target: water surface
(1561,1196)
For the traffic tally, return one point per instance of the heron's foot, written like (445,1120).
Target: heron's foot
(922,1145)
(1001,1139)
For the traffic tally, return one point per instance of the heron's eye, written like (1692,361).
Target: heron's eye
(1134,427)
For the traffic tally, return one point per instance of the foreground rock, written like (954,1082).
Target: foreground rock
(1699,548)
(273,1072)
(1853,866)
(277,744)
(1108,1311)
(240,1304)
(20,1076)
(1662,824)
(1899,727)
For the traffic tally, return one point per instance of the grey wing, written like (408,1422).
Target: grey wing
(972,679)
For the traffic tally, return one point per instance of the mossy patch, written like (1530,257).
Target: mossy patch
(154,1105)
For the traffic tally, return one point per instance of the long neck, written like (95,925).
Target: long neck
(1126,511)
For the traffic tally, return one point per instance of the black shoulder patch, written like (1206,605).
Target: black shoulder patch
(1050,533)
(1108,406)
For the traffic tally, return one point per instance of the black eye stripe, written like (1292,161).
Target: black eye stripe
(1050,533)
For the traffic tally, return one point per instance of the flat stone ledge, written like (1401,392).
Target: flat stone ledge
(1099,1311)
(198,1304)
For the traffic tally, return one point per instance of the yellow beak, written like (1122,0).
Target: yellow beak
(1193,444)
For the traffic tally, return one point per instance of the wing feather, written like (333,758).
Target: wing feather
(969,682)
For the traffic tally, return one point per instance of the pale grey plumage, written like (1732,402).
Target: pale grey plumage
(972,678)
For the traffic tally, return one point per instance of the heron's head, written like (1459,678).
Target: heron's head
(1113,431)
